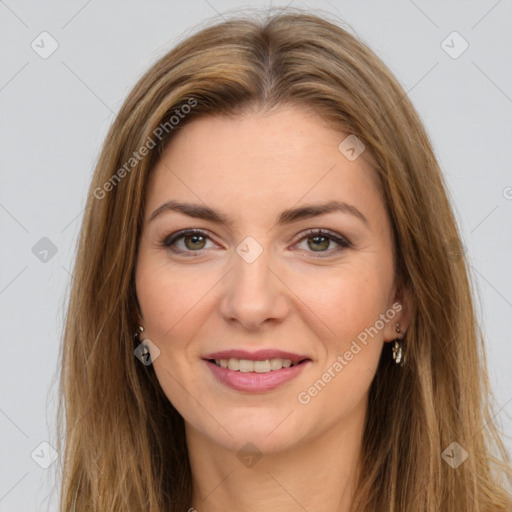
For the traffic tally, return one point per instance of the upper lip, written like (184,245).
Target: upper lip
(259,355)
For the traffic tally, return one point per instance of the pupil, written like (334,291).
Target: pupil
(195,238)
(317,238)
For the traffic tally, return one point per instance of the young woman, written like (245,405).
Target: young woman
(271,307)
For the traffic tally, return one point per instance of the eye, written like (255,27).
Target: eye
(193,241)
(319,241)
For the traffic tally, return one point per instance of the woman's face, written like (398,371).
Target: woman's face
(261,284)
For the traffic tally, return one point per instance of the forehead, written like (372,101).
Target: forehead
(260,160)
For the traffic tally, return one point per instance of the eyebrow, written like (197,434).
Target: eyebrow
(286,217)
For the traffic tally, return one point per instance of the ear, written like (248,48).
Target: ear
(402,305)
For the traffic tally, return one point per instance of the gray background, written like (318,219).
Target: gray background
(56,111)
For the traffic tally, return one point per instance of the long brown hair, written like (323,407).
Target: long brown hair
(123,443)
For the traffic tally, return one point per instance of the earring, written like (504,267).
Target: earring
(142,348)
(398,351)
(136,336)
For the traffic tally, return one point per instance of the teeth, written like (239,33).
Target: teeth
(234,364)
(243,365)
(246,365)
(262,366)
(276,364)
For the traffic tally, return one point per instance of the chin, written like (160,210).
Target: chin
(267,431)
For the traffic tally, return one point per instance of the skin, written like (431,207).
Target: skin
(296,296)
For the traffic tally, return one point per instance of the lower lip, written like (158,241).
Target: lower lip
(255,382)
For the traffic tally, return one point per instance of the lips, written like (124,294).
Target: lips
(256,380)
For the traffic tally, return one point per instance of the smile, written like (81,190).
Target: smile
(256,372)
(248,365)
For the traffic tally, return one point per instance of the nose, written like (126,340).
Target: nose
(254,293)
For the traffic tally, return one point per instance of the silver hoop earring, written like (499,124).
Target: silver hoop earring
(136,336)
(398,350)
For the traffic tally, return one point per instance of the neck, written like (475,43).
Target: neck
(318,473)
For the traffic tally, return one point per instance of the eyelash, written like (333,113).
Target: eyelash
(343,243)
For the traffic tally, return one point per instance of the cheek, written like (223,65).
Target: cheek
(350,305)
(171,305)
(347,299)
(167,296)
